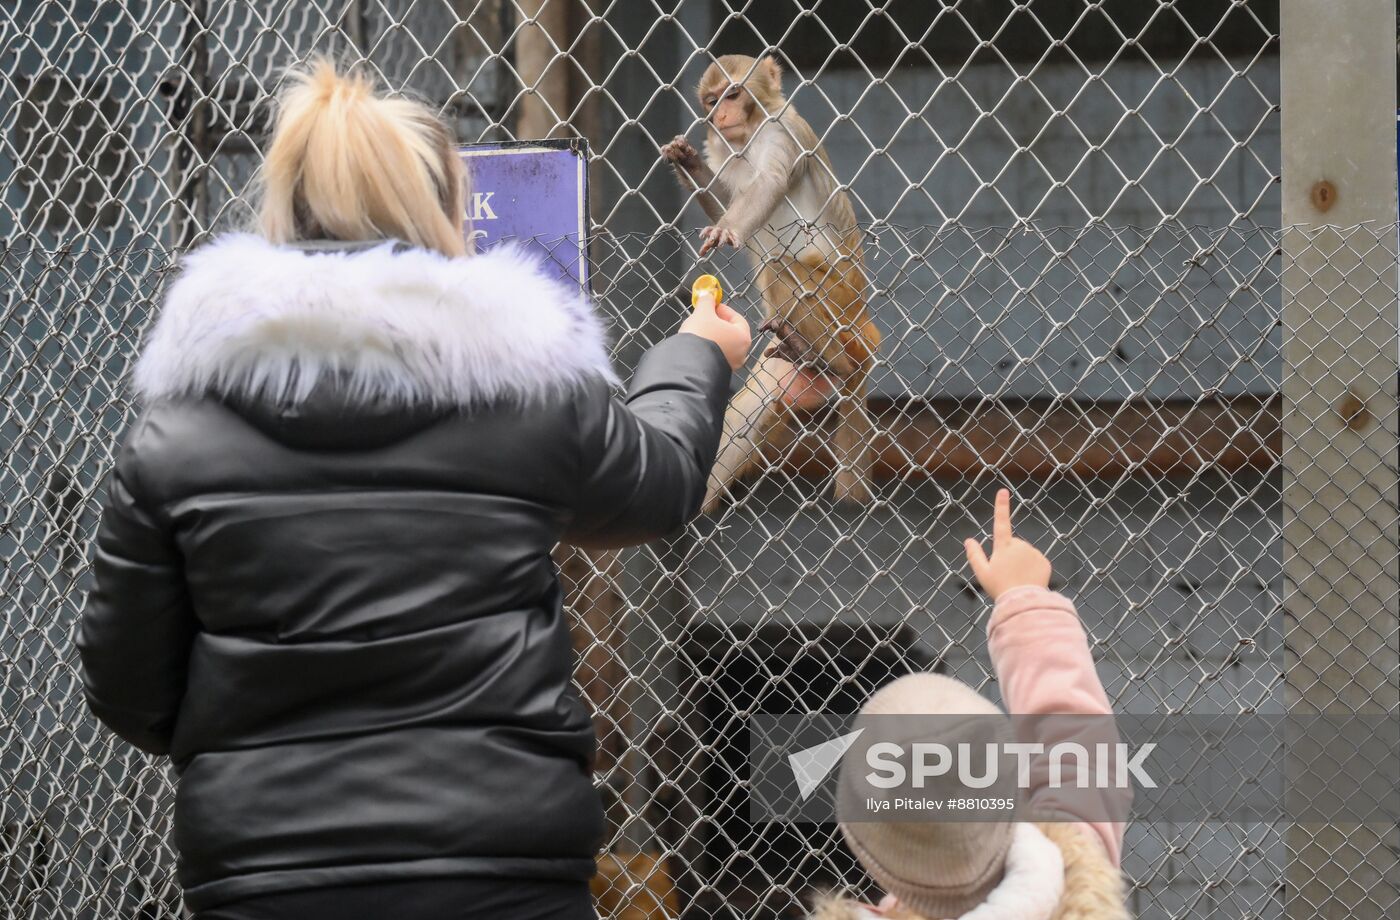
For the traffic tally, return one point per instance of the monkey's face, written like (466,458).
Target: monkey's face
(738,94)
(730,109)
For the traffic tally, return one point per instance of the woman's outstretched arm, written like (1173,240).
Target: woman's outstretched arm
(646,458)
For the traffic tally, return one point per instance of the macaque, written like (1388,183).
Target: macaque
(766,184)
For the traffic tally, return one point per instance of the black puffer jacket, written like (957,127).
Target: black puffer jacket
(323,582)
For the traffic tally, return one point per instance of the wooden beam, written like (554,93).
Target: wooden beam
(541,59)
(950,439)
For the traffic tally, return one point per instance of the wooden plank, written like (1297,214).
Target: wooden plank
(541,46)
(952,439)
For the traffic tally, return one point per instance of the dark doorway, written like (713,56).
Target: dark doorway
(739,868)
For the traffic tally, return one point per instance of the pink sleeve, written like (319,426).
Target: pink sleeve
(1041,657)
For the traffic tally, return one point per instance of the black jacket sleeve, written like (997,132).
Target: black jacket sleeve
(646,459)
(137,626)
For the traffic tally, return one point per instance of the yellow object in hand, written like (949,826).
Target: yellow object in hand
(702,284)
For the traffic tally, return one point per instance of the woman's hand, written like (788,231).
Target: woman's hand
(721,325)
(1014,562)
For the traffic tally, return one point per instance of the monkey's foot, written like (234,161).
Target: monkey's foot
(791,345)
(808,385)
(788,343)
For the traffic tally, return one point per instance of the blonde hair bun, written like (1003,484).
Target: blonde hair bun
(347,163)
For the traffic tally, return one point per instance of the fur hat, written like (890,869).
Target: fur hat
(935,868)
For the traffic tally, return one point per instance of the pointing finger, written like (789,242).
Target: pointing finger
(1001,522)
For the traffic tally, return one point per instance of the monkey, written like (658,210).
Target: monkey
(766,184)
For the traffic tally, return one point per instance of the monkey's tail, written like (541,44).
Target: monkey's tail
(750,417)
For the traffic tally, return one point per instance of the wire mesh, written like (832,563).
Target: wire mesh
(1069,218)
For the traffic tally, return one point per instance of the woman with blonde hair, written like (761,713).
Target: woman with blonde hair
(322,582)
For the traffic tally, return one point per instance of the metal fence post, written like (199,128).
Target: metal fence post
(1340,521)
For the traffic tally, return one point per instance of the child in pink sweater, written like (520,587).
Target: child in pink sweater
(1064,869)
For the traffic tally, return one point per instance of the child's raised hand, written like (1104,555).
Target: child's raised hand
(1014,562)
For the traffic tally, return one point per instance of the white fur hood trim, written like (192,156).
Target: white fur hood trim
(1033,883)
(249,318)
(1030,888)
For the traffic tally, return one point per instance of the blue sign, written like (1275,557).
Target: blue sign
(535,192)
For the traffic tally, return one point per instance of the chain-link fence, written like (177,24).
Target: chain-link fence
(1071,228)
